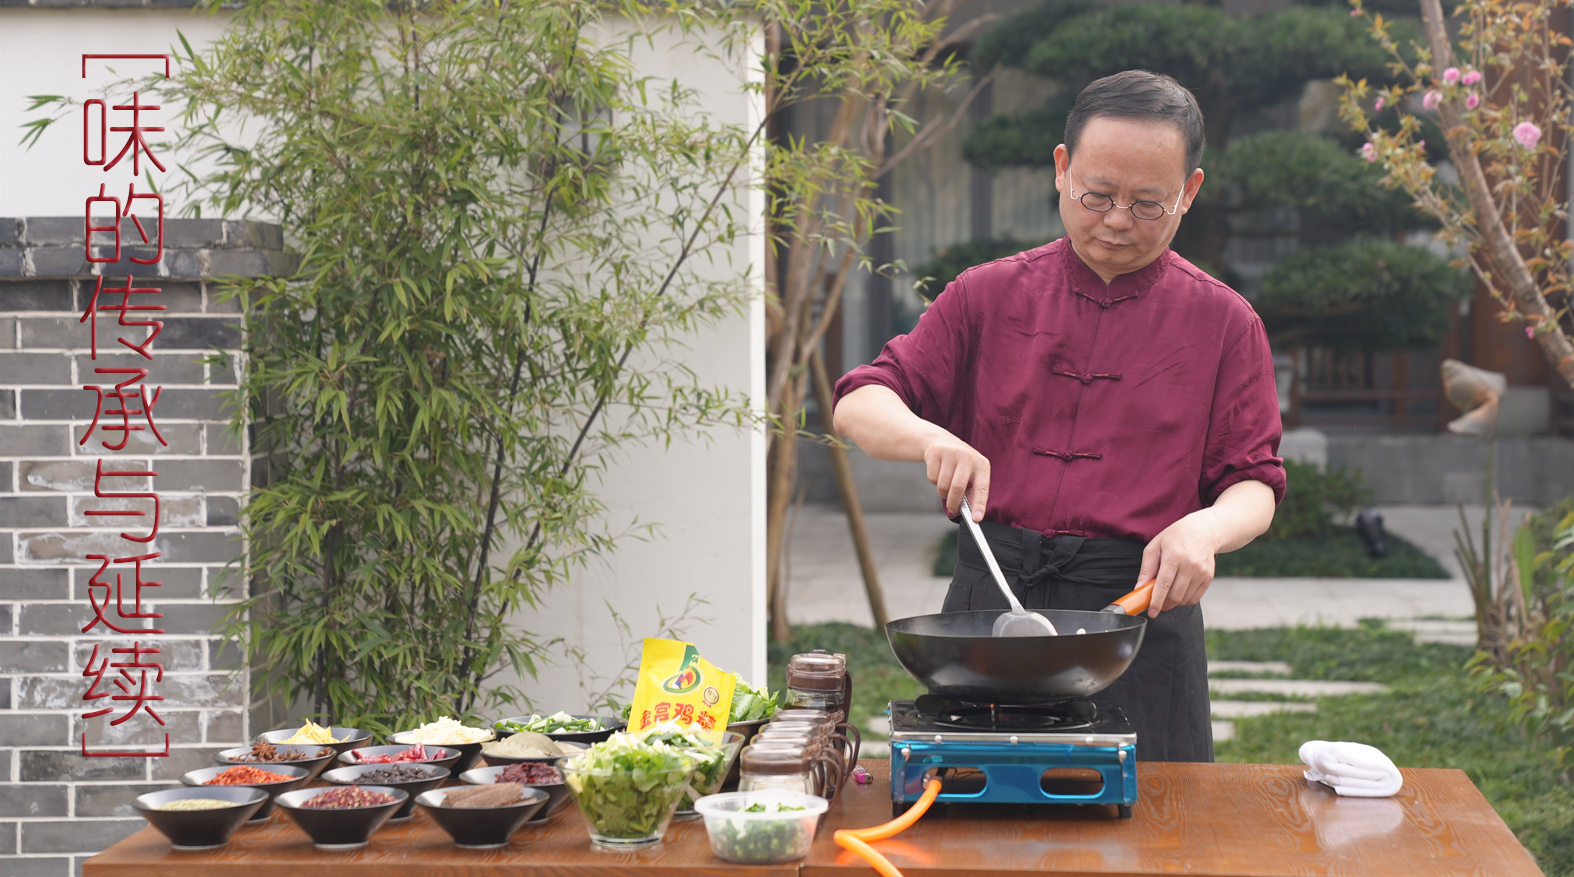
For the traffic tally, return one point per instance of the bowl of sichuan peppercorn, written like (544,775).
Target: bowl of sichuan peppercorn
(265,754)
(342,817)
(536,775)
(274,779)
(199,818)
(482,817)
(413,778)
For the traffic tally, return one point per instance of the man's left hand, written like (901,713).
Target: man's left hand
(1182,556)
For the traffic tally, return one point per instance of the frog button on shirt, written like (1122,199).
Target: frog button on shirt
(1105,411)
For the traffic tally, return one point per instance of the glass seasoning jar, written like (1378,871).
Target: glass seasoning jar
(783,767)
(817,680)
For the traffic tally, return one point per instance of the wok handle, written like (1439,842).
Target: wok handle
(1134,603)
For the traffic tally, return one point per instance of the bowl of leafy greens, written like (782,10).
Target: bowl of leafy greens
(561,726)
(627,789)
(711,760)
(761,827)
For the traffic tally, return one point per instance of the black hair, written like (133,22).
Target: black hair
(1144,96)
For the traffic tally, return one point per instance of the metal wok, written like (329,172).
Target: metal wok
(954,655)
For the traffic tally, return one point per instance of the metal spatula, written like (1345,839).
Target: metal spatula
(1019,621)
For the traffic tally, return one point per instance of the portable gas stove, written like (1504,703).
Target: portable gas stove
(1062,753)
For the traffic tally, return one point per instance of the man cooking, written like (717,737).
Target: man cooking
(1107,408)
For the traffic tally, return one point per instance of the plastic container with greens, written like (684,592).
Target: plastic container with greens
(711,760)
(628,788)
(761,828)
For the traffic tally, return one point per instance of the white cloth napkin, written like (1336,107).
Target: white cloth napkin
(1351,769)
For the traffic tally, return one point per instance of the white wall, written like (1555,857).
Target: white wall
(41,53)
(707,498)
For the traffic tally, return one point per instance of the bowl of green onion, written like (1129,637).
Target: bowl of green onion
(566,727)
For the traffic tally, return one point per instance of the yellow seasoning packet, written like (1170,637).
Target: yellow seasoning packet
(677,685)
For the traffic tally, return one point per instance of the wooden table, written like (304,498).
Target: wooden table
(1202,819)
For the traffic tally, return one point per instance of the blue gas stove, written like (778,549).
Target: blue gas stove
(1064,753)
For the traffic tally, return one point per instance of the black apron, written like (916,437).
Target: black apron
(1164,694)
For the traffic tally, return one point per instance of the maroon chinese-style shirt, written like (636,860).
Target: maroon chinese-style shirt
(1104,411)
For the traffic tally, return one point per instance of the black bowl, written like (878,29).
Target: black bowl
(298,777)
(469,753)
(609,726)
(353,737)
(442,756)
(200,829)
(505,760)
(313,765)
(482,828)
(343,829)
(345,776)
(556,792)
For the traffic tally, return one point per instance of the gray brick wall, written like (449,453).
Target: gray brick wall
(57,807)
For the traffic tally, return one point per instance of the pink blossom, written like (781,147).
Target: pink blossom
(1451,75)
(1530,332)
(1381,102)
(1421,145)
(1527,134)
(1432,99)
(1471,77)
(1354,12)
(1369,152)
(1472,101)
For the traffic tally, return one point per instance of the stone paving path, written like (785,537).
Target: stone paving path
(1267,677)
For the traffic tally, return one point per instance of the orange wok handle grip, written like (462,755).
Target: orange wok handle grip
(1134,603)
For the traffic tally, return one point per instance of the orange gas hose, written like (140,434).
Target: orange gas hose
(856,839)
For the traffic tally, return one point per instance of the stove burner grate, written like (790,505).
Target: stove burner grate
(1074,715)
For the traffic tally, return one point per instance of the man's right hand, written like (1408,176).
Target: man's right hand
(877,420)
(952,465)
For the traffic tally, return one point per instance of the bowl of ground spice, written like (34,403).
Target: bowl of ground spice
(263,754)
(199,817)
(342,817)
(537,775)
(412,778)
(482,817)
(274,779)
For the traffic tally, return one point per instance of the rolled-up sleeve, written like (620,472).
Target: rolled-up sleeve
(921,367)
(1244,427)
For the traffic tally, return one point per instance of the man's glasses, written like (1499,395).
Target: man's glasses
(1150,210)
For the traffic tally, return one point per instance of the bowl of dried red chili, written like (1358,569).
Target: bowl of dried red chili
(175,813)
(400,753)
(342,817)
(536,775)
(413,778)
(274,779)
(268,755)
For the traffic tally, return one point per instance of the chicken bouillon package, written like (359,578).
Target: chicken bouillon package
(677,685)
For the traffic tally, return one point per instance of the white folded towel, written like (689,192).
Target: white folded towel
(1352,769)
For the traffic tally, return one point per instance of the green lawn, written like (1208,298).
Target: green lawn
(1341,554)
(1428,719)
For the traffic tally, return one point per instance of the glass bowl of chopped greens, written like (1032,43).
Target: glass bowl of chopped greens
(627,789)
(761,828)
(711,760)
(564,727)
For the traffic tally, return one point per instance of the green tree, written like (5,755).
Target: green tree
(1239,68)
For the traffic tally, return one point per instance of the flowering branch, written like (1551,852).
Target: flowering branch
(1512,214)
